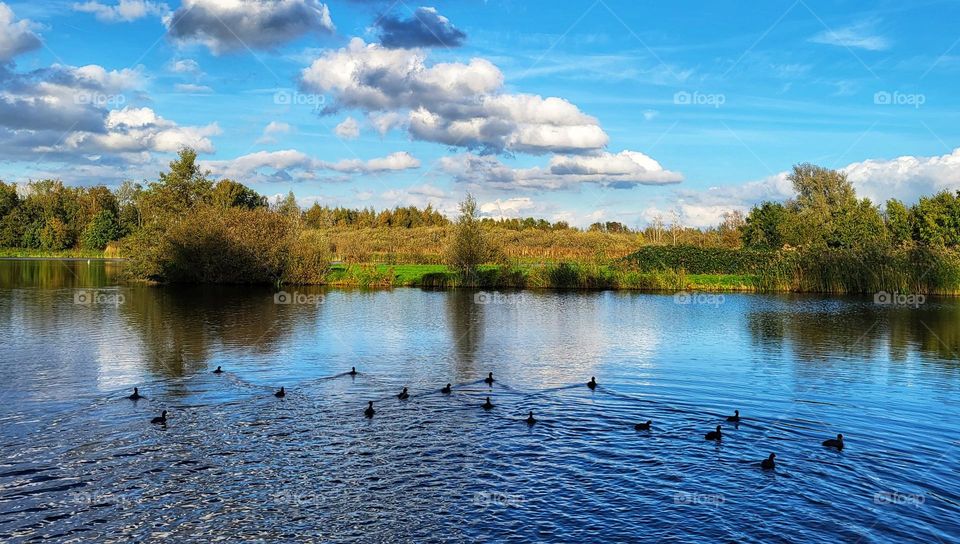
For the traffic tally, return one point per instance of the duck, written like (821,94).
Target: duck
(447,390)
(530,419)
(713,435)
(218,370)
(592,384)
(735,418)
(136,394)
(487,405)
(643,426)
(280,394)
(369,411)
(834,443)
(353,371)
(161,419)
(403,394)
(489,379)
(768,464)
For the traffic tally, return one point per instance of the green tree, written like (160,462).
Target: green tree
(468,247)
(764,226)
(102,230)
(898,222)
(231,194)
(179,190)
(936,219)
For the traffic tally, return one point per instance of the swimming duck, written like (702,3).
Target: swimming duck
(162,418)
(369,411)
(447,390)
(643,426)
(353,371)
(713,435)
(530,419)
(487,405)
(218,370)
(280,394)
(768,464)
(136,394)
(592,384)
(735,418)
(489,379)
(403,394)
(834,443)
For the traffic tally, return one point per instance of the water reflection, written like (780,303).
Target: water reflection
(180,327)
(58,273)
(815,329)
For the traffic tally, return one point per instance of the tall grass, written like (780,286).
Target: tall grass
(915,270)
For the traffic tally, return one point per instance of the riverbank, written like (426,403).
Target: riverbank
(547,276)
(20,253)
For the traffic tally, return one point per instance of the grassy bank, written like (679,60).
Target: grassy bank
(552,276)
(16,252)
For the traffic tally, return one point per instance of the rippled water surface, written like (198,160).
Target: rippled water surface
(81,462)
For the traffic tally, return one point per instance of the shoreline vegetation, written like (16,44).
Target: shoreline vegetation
(187,228)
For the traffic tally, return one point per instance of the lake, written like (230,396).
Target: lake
(82,462)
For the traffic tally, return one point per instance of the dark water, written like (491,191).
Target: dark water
(82,463)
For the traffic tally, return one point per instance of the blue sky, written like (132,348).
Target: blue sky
(594,110)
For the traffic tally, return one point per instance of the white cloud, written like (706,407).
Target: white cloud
(16,37)
(271,130)
(858,35)
(348,129)
(185,66)
(123,11)
(292,164)
(456,104)
(511,207)
(192,88)
(225,26)
(621,170)
(140,129)
(906,178)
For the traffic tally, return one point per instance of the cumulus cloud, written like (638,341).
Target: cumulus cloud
(123,11)
(224,27)
(348,129)
(140,129)
(906,178)
(16,37)
(291,164)
(618,170)
(185,66)
(72,114)
(510,207)
(425,28)
(271,130)
(858,35)
(456,104)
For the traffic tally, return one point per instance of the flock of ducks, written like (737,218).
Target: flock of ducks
(716,435)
